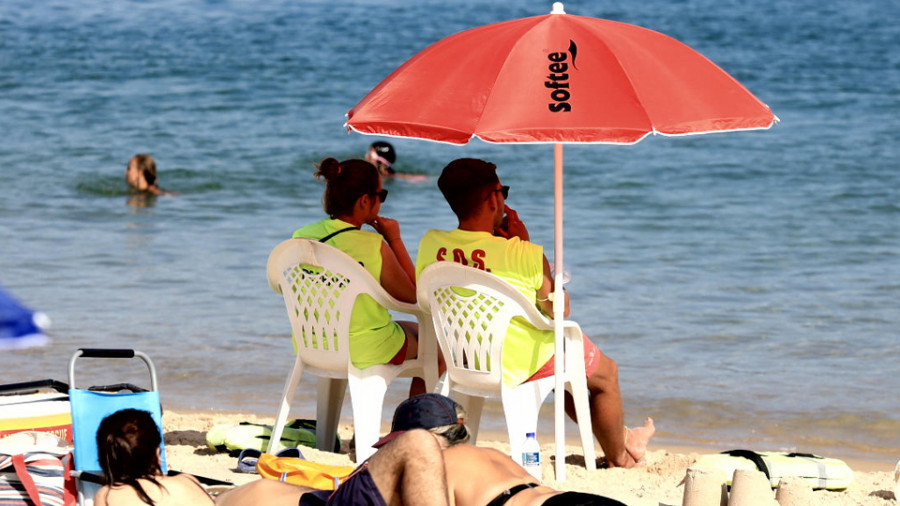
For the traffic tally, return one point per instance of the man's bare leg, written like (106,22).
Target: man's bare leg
(410,470)
(608,417)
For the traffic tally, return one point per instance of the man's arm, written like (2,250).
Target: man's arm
(512,226)
(543,295)
(409,471)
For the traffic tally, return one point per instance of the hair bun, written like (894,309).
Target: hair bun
(329,168)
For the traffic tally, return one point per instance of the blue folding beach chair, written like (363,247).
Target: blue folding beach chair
(90,407)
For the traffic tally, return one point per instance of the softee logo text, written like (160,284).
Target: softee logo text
(558,79)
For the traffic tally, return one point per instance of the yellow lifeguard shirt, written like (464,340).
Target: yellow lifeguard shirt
(374,337)
(520,263)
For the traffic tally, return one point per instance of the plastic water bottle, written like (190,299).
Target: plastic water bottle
(531,456)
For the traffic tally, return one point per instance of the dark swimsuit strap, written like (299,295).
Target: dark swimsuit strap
(507,494)
(329,236)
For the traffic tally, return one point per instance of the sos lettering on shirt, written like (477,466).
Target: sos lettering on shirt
(474,259)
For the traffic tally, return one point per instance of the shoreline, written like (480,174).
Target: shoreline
(658,483)
(857,464)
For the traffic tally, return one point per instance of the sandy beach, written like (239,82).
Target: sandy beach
(657,484)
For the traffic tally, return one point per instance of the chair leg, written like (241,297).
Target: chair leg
(428,350)
(367,399)
(329,400)
(473,405)
(290,387)
(520,407)
(445,387)
(579,392)
(577,386)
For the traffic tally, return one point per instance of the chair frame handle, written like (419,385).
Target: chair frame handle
(112,353)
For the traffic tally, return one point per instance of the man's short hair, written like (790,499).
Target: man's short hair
(462,181)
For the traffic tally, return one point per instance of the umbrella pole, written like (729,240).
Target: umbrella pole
(559,305)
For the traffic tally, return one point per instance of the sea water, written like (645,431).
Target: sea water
(747,284)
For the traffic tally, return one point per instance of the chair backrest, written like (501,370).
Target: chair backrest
(89,408)
(320,284)
(471,311)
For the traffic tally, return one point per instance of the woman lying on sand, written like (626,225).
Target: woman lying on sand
(129,449)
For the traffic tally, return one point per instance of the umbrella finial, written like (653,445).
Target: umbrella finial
(558,8)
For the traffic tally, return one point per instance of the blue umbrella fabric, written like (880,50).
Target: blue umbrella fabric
(20,327)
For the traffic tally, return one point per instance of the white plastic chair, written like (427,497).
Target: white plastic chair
(471,329)
(320,285)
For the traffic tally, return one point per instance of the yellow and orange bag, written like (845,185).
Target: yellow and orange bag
(302,472)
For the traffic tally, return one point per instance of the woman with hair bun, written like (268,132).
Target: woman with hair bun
(353,197)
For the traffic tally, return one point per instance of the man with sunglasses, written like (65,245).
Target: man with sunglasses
(491,237)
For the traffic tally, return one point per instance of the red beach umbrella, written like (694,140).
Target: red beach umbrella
(557,78)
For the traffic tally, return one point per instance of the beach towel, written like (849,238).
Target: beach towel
(819,472)
(302,472)
(234,438)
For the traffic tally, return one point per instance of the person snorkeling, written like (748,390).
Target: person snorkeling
(381,154)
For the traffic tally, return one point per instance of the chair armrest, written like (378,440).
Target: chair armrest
(392,304)
(572,326)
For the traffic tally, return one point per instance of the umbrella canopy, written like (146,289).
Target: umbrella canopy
(557,78)
(20,327)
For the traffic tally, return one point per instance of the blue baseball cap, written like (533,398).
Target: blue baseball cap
(425,411)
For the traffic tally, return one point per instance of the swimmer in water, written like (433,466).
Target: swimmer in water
(141,175)
(382,155)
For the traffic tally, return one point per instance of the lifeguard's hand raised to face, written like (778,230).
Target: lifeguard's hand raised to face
(512,226)
(387,227)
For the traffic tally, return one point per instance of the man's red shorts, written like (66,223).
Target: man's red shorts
(591,361)
(400,357)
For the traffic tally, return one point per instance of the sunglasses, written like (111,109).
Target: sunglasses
(504,190)
(382,195)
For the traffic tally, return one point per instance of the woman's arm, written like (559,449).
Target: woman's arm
(397,280)
(398,273)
